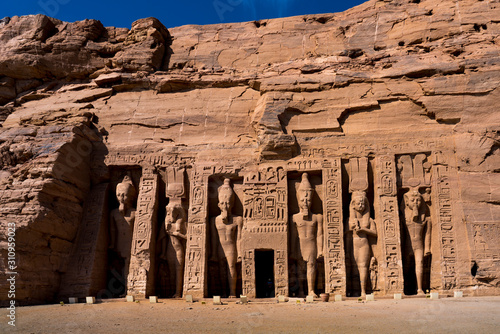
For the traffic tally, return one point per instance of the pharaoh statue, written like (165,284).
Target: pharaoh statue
(362,226)
(173,241)
(308,228)
(122,222)
(227,229)
(418,226)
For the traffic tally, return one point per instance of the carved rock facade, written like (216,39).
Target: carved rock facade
(389,99)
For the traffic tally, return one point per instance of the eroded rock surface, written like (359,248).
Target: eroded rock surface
(81,104)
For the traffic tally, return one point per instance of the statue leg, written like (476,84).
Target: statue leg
(419,269)
(302,276)
(362,258)
(231,262)
(126,268)
(179,273)
(311,277)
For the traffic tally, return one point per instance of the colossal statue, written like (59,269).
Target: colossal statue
(173,239)
(227,229)
(122,222)
(362,226)
(308,229)
(418,227)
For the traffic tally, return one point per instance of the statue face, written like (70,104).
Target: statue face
(305,198)
(225,203)
(123,195)
(170,213)
(414,202)
(358,203)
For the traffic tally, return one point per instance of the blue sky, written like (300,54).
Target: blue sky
(121,13)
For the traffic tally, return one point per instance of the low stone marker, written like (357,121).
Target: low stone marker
(189,298)
(130,298)
(458,294)
(153,299)
(244,299)
(281,299)
(90,300)
(309,299)
(434,295)
(338,298)
(73,300)
(217,300)
(370,297)
(398,296)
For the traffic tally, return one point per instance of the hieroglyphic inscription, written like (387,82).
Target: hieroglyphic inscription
(483,236)
(157,160)
(195,272)
(248,273)
(281,272)
(265,212)
(400,146)
(141,276)
(389,230)
(334,232)
(446,227)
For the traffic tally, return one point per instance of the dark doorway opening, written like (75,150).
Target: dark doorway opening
(264,273)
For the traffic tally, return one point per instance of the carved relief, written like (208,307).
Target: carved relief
(196,248)
(122,222)
(446,228)
(390,244)
(141,274)
(334,248)
(362,226)
(307,234)
(226,236)
(416,177)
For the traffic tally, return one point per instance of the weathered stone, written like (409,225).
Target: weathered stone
(396,100)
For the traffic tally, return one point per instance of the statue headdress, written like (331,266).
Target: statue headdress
(225,191)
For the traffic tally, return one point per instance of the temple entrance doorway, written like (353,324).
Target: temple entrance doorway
(264,273)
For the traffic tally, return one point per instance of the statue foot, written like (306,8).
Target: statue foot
(313,294)
(420,292)
(232,297)
(363,294)
(177,295)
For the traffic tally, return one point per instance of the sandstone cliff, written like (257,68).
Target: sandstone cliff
(73,94)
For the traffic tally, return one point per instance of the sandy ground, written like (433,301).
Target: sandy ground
(415,315)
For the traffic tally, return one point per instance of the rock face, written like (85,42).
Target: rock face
(392,101)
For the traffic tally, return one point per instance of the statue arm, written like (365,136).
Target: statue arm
(238,239)
(320,238)
(373,228)
(181,222)
(427,240)
(213,239)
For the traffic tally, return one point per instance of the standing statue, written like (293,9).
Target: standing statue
(418,225)
(228,230)
(362,226)
(173,239)
(308,228)
(122,222)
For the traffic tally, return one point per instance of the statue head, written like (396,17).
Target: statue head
(359,201)
(226,198)
(125,192)
(304,194)
(174,211)
(413,199)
